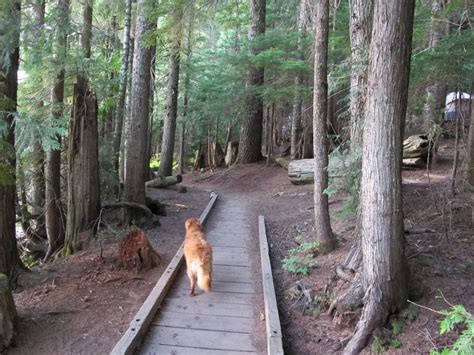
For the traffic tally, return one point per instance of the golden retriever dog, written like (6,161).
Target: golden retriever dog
(198,254)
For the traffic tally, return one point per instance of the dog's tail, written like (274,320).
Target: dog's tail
(203,279)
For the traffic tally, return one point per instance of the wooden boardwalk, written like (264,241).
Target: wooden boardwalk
(219,322)
(226,320)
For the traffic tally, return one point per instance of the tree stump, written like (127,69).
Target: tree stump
(7,314)
(135,251)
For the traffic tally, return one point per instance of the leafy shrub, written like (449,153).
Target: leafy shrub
(300,260)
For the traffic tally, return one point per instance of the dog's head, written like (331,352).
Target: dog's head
(192,224)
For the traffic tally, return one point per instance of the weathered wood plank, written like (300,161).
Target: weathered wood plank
(231,259)
(219,286)
(137,329)
(235,250)
(274,338)
(194,306)
(221,297)
(205,339)
(204,322)
(154,349)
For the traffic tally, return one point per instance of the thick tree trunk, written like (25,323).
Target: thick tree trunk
(134,174)
(384,275)
(9,258)
(169,127)
(181,148)
(296,126)
(54,218)
(83,155)
(123,84)
(323,231)
(360,21)
(250,147)
(149,136)
(7,314)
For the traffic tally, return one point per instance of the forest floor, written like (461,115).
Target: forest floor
(83,303)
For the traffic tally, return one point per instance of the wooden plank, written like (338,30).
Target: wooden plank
(204,322)
(137,329)
(219,286)
(234,250)
(195,306)
(205,339)
(272,319)
(226,242)
(154,349)
(221,297)
(231,259)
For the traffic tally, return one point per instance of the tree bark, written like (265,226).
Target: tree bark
(169,127)
(360,21)
(296,125)
(38,155)
(134,173)
(109,112)
(83,155)
(8,314)
(250,147)
(323,231)
(470,149)
(123,84)
(53,216)
(9,259)
(435,97)
(384,275)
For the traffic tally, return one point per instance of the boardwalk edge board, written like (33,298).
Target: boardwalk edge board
(272,318)
(138,327)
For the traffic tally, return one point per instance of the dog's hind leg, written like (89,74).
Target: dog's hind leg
(192,281)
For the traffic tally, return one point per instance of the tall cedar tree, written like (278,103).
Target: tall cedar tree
(135,154)
(296,125)
(53,214)
(119,117)
(83,155)
(169,127)
(250,146)
(384,262)
(324,234)
(9,259)
(360,25)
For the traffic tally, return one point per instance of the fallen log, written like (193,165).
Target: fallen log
(161,182)
(7,314)
(413,163)
(282,162)
(144,211)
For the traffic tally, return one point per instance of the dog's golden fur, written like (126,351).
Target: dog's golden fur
(198,254)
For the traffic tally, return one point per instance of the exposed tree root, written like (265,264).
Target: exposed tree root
(372,317)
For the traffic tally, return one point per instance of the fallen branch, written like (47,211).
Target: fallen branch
(419,231)
(166,181)
(134,205)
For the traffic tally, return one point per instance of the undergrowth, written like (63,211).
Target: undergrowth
(301,259)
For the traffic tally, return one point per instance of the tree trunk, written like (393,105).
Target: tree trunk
(123,84)
(296,126)
(109,112)
(470,150)
(169,128)
(9,258)
(38,156)
(250,147)
(125,135)
(384,275)
(360,21)
(134,174)
(435,97)
(54,218)
(149,136)
(186,95)
(323,231)
(83,155)
(7,314)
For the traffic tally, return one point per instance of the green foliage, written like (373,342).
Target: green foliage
(395,343)
(322,300)
(457,315)
(344,177)
(397,328)
(301,259)
(410,313)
